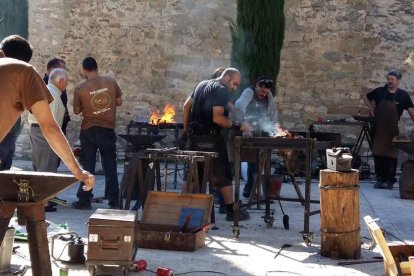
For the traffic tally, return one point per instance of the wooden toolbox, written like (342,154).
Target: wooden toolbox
(163,224)
(398,259)
(112,235)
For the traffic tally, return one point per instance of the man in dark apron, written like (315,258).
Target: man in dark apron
(387,104)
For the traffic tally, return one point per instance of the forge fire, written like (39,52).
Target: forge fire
(167,116)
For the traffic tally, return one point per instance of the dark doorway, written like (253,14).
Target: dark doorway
(14,18)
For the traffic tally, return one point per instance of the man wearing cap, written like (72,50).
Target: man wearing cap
(387,104)
(257,106)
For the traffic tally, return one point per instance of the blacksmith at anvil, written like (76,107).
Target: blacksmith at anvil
(257,106)
(387,104)
(209,115)
(22,88)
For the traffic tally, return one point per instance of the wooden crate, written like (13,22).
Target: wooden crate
(160,223)
(392,254)
(112,235)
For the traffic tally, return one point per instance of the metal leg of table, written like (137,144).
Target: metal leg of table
(237,162)
(6,214)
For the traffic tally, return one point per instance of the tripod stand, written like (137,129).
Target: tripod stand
(364,134)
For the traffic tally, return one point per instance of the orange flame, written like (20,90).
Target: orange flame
(156,117)
(280,132)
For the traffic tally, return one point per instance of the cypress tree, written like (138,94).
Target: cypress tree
(258,39)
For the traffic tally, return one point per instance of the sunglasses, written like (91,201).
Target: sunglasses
(265,83)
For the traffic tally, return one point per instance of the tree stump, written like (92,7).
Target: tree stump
(339,205)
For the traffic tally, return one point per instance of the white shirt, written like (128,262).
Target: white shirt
(56,106)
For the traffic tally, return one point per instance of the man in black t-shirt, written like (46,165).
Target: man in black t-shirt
(387,104)
(209,115)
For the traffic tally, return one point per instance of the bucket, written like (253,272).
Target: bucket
(6,250)
(339,217)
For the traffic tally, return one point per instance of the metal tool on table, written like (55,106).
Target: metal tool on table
(75,248)
(27,192)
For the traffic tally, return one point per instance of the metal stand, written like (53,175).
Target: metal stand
(364,134)
(265,146)
(155,129)
(33,215)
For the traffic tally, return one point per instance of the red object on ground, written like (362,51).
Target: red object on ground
(275,186)
(164,271)
(140,265)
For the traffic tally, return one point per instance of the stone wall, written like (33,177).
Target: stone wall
(158,50)
(334,50)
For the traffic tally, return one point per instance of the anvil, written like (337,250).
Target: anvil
(27,191)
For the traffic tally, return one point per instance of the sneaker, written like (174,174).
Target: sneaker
(243,215)
(81,206)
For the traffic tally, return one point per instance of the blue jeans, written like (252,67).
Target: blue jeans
(251,170)
(102,139)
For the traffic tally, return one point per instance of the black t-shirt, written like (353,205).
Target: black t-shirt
(207,94)
(400,98)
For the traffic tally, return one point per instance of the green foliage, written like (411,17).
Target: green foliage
(14,18)
(258,39)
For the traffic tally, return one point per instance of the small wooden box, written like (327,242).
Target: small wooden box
(112,235)
(398,259)
(160,223)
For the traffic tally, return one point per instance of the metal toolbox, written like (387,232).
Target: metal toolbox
(112,235)
(339,159)
(161,226)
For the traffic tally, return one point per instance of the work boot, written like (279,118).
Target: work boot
(243,215)
(389,185)
(81,205)
(379,184)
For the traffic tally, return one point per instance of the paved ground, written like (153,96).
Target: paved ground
(254,252)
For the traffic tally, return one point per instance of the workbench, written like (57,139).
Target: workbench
(147,166)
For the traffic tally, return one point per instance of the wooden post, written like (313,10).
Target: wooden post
(339,205)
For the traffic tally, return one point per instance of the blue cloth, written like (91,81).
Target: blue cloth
(103,139)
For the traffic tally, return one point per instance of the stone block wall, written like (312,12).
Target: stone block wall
(158,50)
(334,50)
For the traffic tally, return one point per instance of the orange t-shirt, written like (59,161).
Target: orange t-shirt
(20,87)
(96,98)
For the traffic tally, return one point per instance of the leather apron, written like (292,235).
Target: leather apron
(385,128)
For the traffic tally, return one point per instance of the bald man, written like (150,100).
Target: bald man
(209,115)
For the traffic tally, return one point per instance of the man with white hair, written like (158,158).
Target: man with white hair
(44,159)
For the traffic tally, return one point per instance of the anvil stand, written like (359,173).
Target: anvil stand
(33,216)
(27,192)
